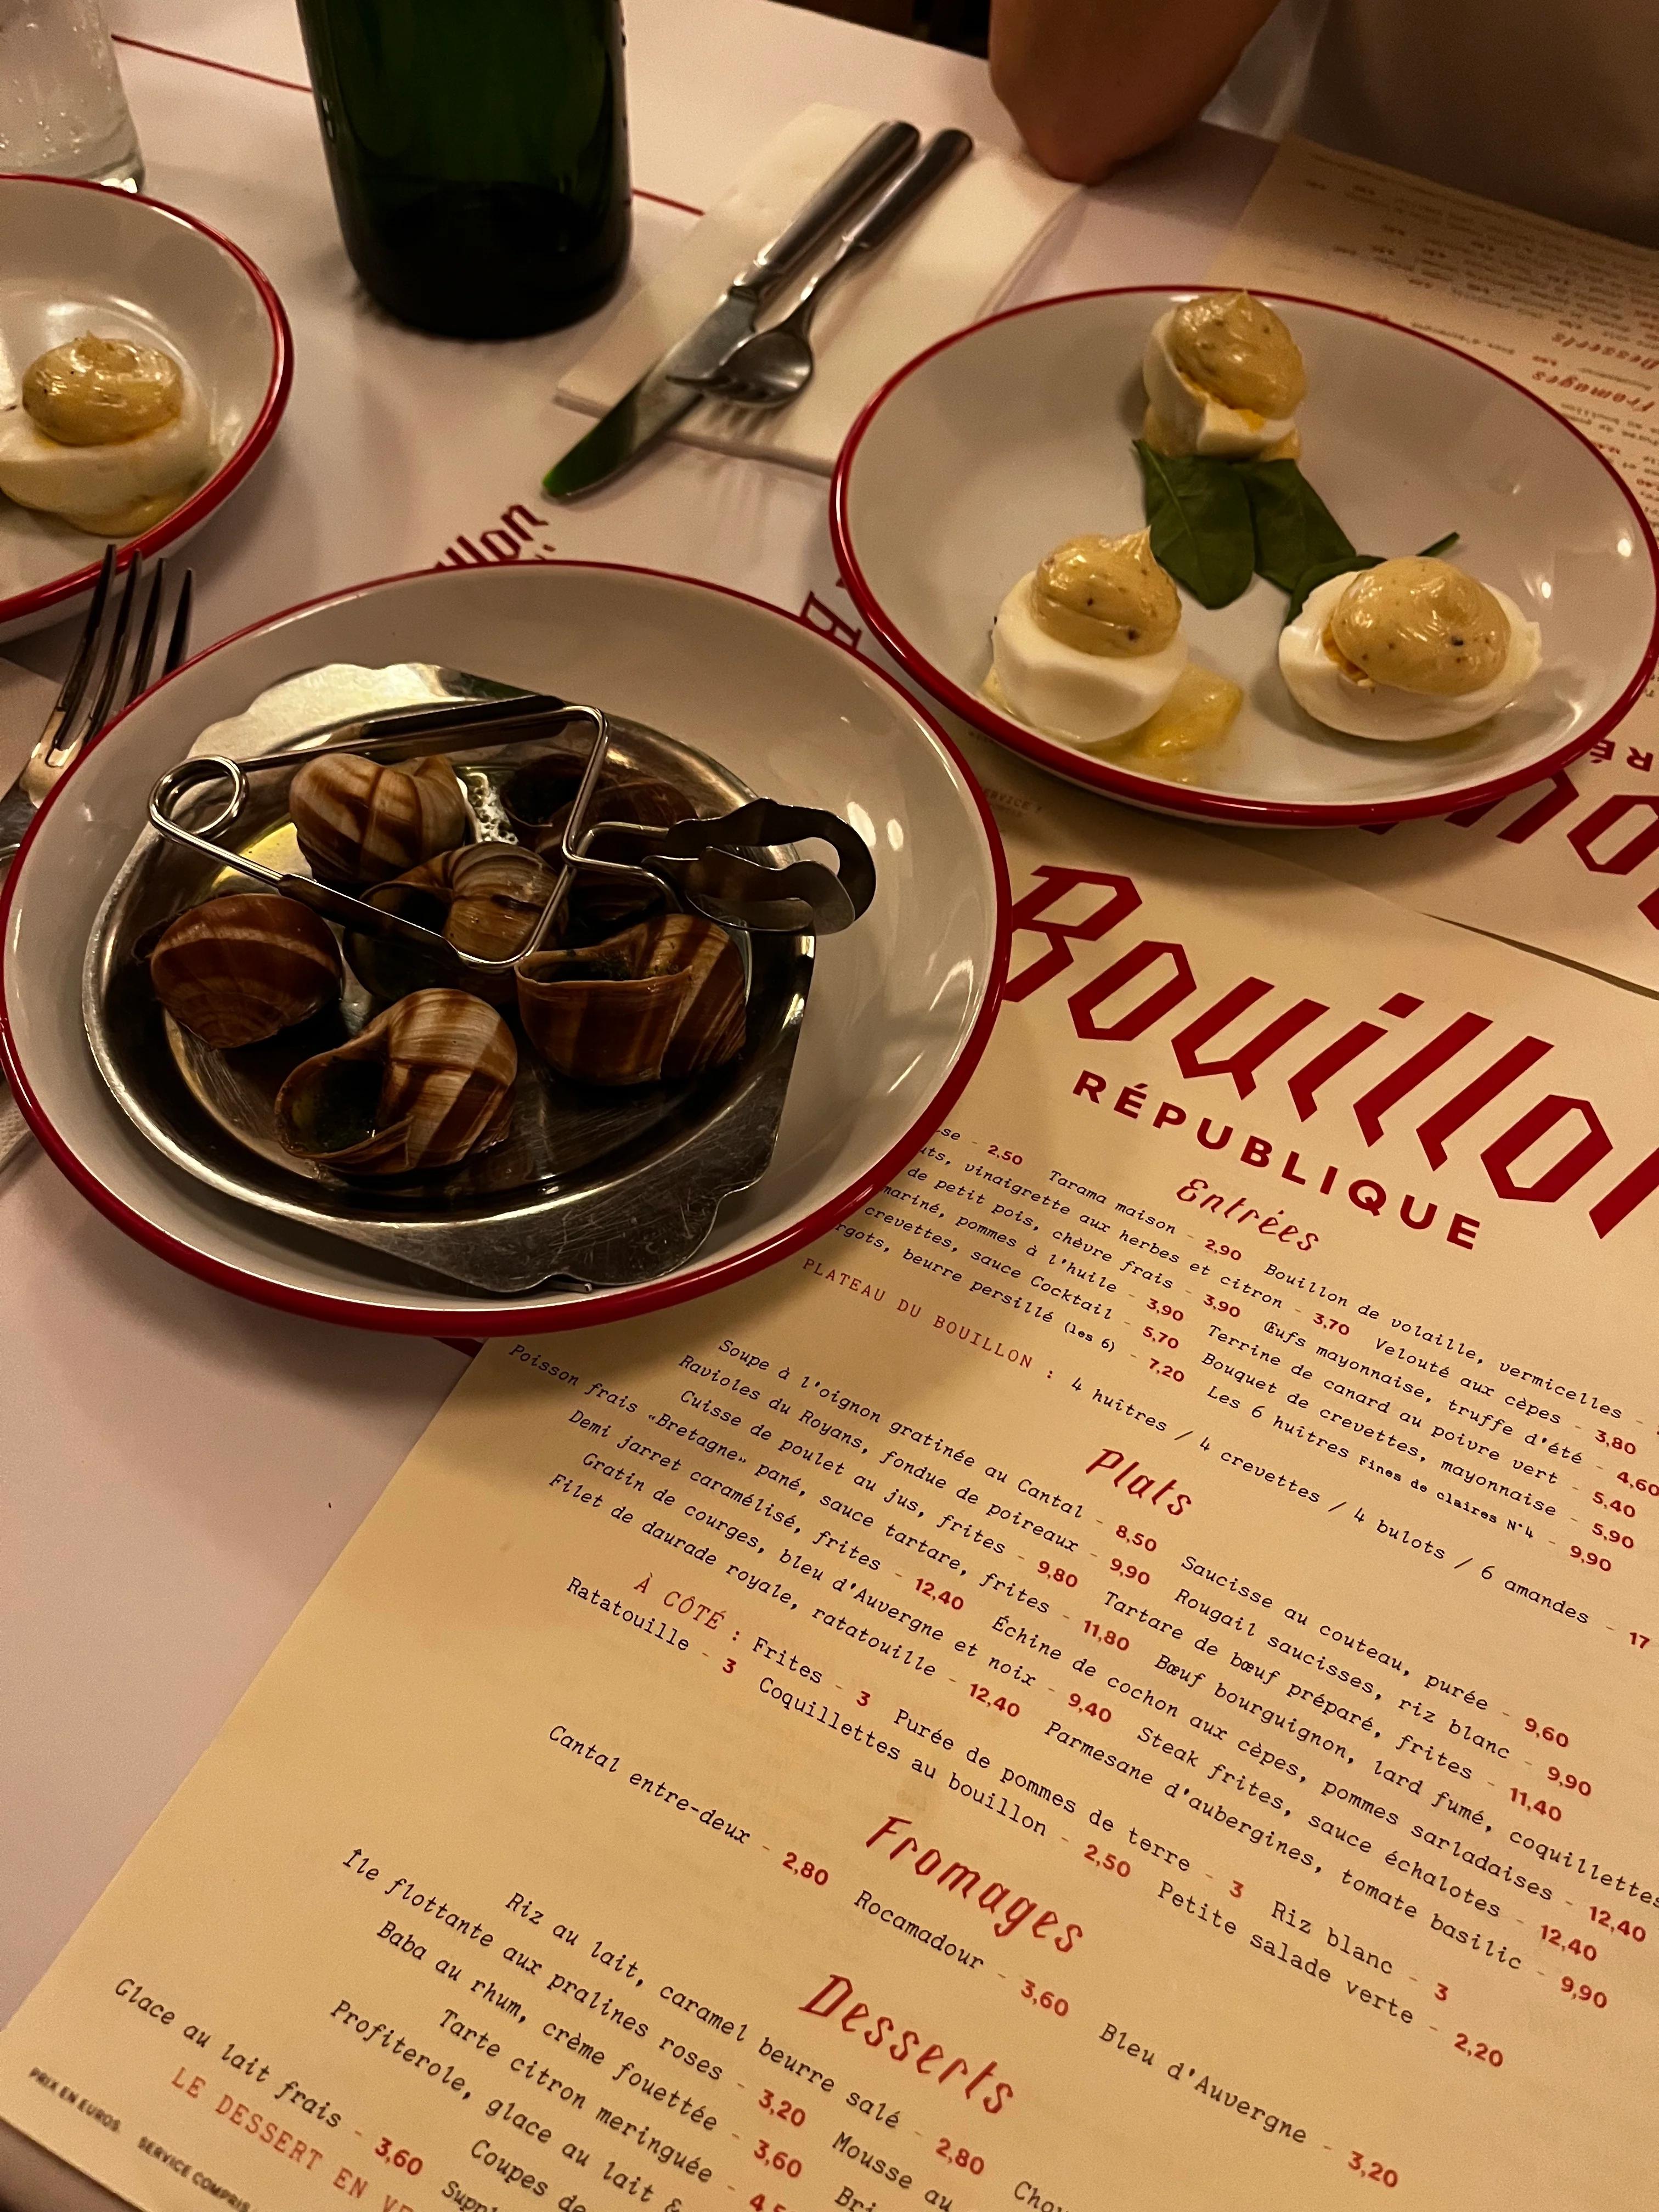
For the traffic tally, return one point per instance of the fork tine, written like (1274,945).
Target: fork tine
(179,642)
(144,650)
(86,652)
(98,713)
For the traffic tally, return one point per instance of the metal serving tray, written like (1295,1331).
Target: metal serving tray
(591,1189)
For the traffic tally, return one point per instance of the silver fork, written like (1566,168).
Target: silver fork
(101,684)
(774,366)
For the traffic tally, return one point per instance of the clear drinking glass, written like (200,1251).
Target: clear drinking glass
(63,113)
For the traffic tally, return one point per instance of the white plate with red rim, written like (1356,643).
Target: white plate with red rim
(900,1005)
(80,258)
(1005,439)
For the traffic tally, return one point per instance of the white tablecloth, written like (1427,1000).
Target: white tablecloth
(177,1468)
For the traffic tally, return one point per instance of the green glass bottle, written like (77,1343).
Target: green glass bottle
(478,153)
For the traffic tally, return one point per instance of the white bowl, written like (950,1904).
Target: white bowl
(82,257)
(1000,442)
(901,1004)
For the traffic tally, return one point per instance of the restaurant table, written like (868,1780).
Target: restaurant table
(179,1467)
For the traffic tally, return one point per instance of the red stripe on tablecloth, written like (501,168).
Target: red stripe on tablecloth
(291,84)
(663,200)
(203,61)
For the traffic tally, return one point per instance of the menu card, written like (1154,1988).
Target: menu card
(1125,1675)
(1570,864)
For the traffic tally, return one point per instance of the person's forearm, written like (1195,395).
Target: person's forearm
(1090,82)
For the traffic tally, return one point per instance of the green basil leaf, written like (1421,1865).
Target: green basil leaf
(1295,530)
(1199,519)
(1440,545)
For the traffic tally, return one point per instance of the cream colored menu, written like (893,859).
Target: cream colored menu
(1572,863)
(1125,1677)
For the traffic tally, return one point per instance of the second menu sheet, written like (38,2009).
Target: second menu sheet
(1124,1674)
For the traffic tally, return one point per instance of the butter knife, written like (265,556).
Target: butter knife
(661,397)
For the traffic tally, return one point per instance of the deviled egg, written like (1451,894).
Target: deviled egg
(1088,645)
(1407,650)
(109,434)
(1224,376)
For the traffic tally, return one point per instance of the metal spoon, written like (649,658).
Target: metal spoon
(775,366)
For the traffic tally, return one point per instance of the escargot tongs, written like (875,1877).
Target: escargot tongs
(713,866)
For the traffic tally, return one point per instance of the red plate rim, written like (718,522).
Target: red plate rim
(224,480)
(1172,799)
(603,1306)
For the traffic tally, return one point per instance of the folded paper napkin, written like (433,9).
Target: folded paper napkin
(946,267)
(25,698)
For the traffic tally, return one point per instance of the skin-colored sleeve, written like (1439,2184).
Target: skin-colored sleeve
(1090,82)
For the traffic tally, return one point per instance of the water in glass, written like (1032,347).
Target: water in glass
(63,113)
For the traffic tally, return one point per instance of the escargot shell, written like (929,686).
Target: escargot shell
(536,794)
(237,970)
(600,905)
(360,821)
(659,1002)
(486,899)
(427,1083)
(536,799)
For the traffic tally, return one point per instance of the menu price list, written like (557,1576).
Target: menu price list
(1130,1658)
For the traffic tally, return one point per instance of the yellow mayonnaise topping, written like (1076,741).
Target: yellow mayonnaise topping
(1106,595)
(101,392)
(1420,626)
(1238,351)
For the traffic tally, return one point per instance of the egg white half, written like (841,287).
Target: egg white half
(1083,697)
(1319,688)
(1202,424)
(75,480)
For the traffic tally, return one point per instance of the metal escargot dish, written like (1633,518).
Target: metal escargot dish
(493,985)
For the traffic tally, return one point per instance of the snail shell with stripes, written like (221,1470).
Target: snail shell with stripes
(427,1084)
(486,900)
(537,798)
(234,971)
(362,822)
(538,795)
(656,1003)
